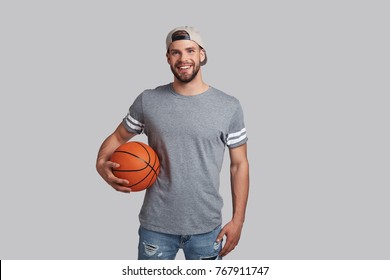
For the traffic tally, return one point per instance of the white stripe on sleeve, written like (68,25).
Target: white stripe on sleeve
(134,124)
(236,137)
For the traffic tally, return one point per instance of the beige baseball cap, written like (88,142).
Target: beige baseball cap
(186,33)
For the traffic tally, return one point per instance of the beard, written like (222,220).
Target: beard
(185,78)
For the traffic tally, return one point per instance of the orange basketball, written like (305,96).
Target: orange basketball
(139,165)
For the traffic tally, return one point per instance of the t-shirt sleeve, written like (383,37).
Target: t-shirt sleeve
(237,132)
(134,120)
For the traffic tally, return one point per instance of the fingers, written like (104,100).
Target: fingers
(115,182)
(122,188)
(221,235)
(118,184)
(109,165)
(228,247)
(232,233)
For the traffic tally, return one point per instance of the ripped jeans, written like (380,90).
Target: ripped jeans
(161,246)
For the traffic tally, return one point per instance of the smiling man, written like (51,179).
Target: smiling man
(179,44)
(189,124)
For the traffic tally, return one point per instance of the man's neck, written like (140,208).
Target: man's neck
(195,87)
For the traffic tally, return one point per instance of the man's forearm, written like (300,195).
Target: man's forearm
(240,189)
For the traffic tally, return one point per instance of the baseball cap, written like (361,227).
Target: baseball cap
(186,33)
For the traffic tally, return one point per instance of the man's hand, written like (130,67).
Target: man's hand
(105,170)
(232,230)
(103,164)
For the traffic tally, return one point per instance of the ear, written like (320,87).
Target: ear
(202,55)
(168,60)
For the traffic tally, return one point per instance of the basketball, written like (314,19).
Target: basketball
(139,165)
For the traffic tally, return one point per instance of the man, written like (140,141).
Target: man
(189,124)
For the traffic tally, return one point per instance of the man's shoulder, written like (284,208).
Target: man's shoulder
(158,89)
(224,97)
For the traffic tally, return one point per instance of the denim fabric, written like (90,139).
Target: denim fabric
(161,246)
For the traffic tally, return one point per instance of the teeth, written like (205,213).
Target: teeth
(185,67)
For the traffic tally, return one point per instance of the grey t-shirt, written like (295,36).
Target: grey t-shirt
(189,134)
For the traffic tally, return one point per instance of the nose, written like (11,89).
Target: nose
(183,57)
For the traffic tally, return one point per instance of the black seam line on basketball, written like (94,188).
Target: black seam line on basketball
(146,176)
(147,163)
(155,158)
(135,170)
(149,183)
(142,181)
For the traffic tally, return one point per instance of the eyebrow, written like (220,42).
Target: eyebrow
(187,49)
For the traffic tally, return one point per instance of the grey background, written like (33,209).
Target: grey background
(313,80)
